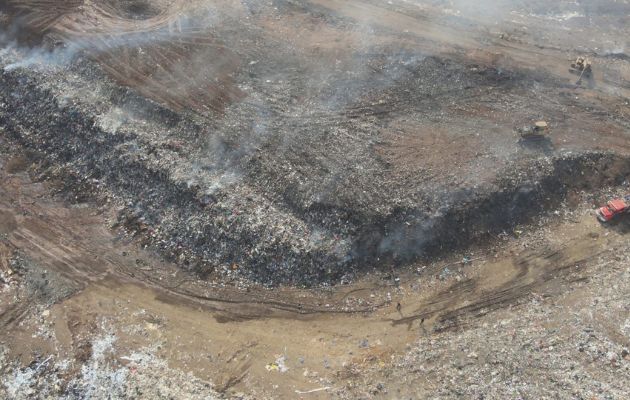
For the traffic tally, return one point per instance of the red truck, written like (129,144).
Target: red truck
(613,209)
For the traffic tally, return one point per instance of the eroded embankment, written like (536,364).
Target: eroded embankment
(188,226)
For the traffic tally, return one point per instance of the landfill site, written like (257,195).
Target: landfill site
(315,199)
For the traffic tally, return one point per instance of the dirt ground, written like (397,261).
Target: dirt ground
(85,312)
(174,173)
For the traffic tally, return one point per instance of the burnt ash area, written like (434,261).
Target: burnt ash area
(300,161)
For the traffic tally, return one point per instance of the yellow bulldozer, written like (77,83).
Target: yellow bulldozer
(581,66)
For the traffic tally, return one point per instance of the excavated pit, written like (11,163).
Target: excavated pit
(300,143)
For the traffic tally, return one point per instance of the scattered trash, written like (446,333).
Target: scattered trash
(446,272)
(314,390)
(278,365)
(312,157)
(43,363)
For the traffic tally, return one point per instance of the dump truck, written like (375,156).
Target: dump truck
(613,209)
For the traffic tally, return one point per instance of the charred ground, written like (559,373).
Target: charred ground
(301,142)
(307,142)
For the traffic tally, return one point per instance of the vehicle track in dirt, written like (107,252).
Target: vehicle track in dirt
(543,270)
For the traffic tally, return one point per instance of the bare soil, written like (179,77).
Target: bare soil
(312,199)
(95,285)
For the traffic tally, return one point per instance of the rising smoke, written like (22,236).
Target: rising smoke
(254,88)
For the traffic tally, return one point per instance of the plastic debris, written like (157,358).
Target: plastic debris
(278,365)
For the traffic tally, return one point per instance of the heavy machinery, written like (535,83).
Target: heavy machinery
(613,209)
(581,66)
(535,131)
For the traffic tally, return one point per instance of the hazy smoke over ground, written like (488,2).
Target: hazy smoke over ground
(340,111)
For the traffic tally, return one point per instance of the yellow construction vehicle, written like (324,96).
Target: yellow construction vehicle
(581,66)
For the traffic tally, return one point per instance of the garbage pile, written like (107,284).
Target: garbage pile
(312,164)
